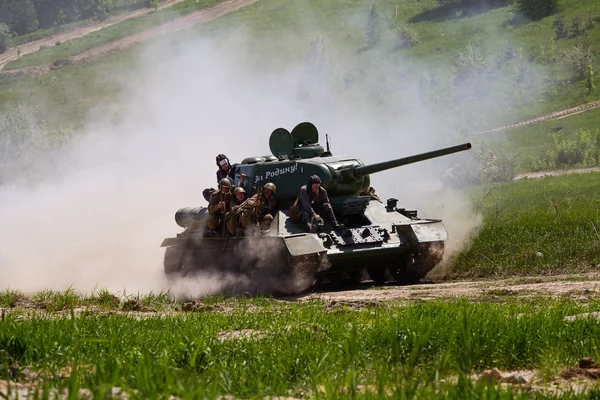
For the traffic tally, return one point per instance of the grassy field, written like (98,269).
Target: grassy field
(251,348)
(535,227)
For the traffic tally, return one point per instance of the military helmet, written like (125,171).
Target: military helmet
(270,186)
(224,183)
(239,190)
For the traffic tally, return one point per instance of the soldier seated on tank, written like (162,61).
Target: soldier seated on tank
(226,170)
(264,208)
(233,218)
(314,203)
(218,205)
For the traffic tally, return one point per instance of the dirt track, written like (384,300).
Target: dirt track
(575,286)
(185,22)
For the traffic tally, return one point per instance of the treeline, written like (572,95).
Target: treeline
(25,16)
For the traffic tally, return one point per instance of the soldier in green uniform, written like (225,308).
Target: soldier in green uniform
(264,208)
(233,217)
(218,205)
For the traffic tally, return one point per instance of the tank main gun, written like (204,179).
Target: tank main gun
(357,172)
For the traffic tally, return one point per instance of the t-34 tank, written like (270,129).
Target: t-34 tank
(380,241)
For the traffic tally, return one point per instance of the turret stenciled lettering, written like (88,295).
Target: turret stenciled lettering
(276,173)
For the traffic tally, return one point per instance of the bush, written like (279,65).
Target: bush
(4,37)
(538,9)
(577,58)
(407,36)
(582,150)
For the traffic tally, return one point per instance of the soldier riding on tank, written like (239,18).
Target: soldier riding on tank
(233,217)
(226,170)
(314,202)
(261,208)
(218,205)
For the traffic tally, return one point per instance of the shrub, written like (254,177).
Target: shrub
(472,60)
(4,37)
(407,36)
(577,58)
(580,150)
(538,9)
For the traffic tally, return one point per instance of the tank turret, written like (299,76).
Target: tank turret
(299,155)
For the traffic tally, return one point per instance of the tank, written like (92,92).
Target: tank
(380,241)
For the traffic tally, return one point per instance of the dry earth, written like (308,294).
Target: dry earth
(185,22)
(33,46)
(581,286)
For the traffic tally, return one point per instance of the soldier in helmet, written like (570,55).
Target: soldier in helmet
(263,208)
(233,217)
(218,205)
(314,203)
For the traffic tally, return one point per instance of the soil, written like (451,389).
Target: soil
(543,174)
(185,22)
(584,287)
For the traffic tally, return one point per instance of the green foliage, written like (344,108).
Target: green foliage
(534,227)
(564,151)
(538,9)
(20,15)
(24,139)
(589,78)
(577,58)
(560,27)
(4,36)
(406,35)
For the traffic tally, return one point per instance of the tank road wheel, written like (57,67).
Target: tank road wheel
(356,276)
(380,276)
(173,262)
(416,268)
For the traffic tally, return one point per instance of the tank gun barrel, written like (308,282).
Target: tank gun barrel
(358,172)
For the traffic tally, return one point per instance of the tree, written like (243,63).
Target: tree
(4,36)
(22,17)
(538,9)
(373,29)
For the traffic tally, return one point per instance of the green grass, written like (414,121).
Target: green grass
(554,216)
(112,33)
(301,349)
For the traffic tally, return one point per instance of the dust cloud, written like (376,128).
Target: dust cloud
(108,200)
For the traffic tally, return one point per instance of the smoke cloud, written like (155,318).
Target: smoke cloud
(98,218)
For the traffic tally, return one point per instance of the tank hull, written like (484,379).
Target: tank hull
(385,245)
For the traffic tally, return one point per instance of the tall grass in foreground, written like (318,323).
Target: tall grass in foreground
(424,350)
(531,227)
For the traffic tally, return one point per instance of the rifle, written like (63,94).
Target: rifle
(256,214)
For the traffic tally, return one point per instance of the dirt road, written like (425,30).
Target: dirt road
(32,47)
(185,22)
(579,286)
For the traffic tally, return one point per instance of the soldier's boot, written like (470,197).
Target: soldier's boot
(328,213)
(307,222)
